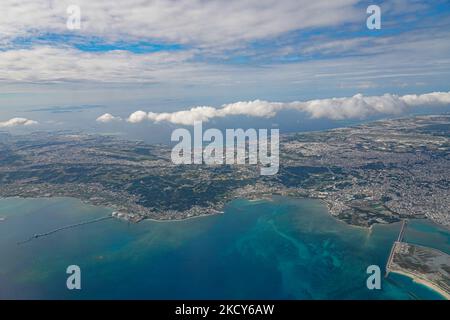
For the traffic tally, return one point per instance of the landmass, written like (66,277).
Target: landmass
(424,265)
(380,172)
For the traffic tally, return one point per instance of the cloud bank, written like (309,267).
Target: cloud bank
(53,65)
(163,42)
(205,23)
(17,122)
(356,107)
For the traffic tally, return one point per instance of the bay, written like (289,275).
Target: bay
(280,249)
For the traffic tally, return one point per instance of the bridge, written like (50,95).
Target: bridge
(399,239)
(38,235)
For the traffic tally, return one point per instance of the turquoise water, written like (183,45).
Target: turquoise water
(280,249)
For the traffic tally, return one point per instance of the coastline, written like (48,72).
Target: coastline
(251,200)
(328,205)
(183,219)
(423,282)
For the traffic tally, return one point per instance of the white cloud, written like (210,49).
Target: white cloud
(45,64)
(209,34)
(357,106)
(49,64)
(204,23)
(434,98)
(137,116)
(17,122)
(107,117)
(255,108)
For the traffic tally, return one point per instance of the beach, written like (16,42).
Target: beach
(424,282)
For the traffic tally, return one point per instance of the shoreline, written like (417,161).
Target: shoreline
(183,219)
(423,282)
(251,200)
(365,228)
(369,229)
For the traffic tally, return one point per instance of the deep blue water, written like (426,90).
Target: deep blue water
(280,249)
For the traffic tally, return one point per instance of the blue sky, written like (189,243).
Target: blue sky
(162,57)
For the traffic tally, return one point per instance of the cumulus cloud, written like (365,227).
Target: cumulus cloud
(137,116)
(107,117)
(434,98)
(17,122)
(357,106)
(255,108)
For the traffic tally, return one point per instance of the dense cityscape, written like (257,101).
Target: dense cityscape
(379,172)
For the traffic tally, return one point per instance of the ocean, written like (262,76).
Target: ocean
(280,249)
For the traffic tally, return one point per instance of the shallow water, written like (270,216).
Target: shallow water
(280,249)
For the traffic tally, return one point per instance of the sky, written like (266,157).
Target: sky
(141,62)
